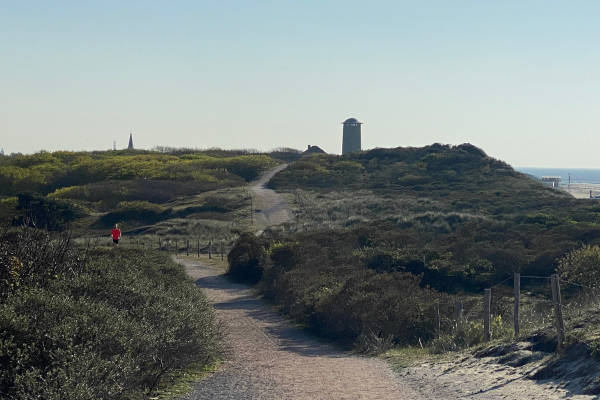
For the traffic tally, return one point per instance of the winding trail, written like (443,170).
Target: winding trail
(270,208)
(270,358)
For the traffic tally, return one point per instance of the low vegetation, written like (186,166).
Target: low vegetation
(246,259)
(87,192)
(385,240)
(78,323)
(46,172)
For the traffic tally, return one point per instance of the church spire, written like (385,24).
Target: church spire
(130,147)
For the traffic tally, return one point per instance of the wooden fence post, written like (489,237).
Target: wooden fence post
(517,290)
(437,321)
(487,303)
(222,251)
(159,244)
(198,248)
(459,313)
(187,247)
(210,249)
(558,317)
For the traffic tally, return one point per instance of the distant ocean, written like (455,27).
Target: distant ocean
(578,175)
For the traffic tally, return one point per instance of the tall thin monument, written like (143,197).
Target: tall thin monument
(130,146)
(351,136)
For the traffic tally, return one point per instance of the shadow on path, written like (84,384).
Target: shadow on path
(289,337)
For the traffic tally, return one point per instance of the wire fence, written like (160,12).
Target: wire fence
(520,305)
(189,246)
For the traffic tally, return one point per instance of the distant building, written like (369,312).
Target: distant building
(130,146)
(551,181)
(351,136)
(314,150)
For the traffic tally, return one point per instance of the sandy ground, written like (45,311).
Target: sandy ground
(485,378)
(581,190)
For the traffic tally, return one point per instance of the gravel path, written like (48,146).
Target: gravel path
(270,207)
(270,358)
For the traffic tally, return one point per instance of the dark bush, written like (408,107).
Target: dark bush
(98,324)
(246,259)
(41,212)
(321,280)
(138,211)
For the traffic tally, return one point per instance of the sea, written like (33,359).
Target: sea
(578,175)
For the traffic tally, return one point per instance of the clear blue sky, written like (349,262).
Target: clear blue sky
(519,79)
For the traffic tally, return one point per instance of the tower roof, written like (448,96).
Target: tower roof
(351,121)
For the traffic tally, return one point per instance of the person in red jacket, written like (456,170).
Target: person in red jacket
(116,234)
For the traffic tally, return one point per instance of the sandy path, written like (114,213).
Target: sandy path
(270,358)
(270,208)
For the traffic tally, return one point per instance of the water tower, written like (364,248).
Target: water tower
(351,136)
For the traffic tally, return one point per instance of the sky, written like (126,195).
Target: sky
(519,79)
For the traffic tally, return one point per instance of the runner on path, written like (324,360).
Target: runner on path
(116,235)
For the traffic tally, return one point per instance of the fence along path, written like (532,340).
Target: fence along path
(547,306)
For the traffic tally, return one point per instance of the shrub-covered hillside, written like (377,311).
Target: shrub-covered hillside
(459,178)
(137,187)
(46,172)
(452,214)
(382,236)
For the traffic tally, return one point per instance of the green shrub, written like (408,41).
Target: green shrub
(319,279)
(96,324)
(138,211)
(466,334)
(41,212)
(282,254)
(246,259)
(581,265)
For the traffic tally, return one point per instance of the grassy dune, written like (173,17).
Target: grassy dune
(383,239)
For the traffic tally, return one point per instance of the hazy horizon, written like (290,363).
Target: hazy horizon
(517,79)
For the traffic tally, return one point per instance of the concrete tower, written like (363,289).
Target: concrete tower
(351,136)
(130,146)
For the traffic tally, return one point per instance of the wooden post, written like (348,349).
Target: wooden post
(198,248)
(459,313)
(159,244)
(222,251)
(487,303)
(517,290)
(210,249)
(187,247)
(557,301)
(437,319)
